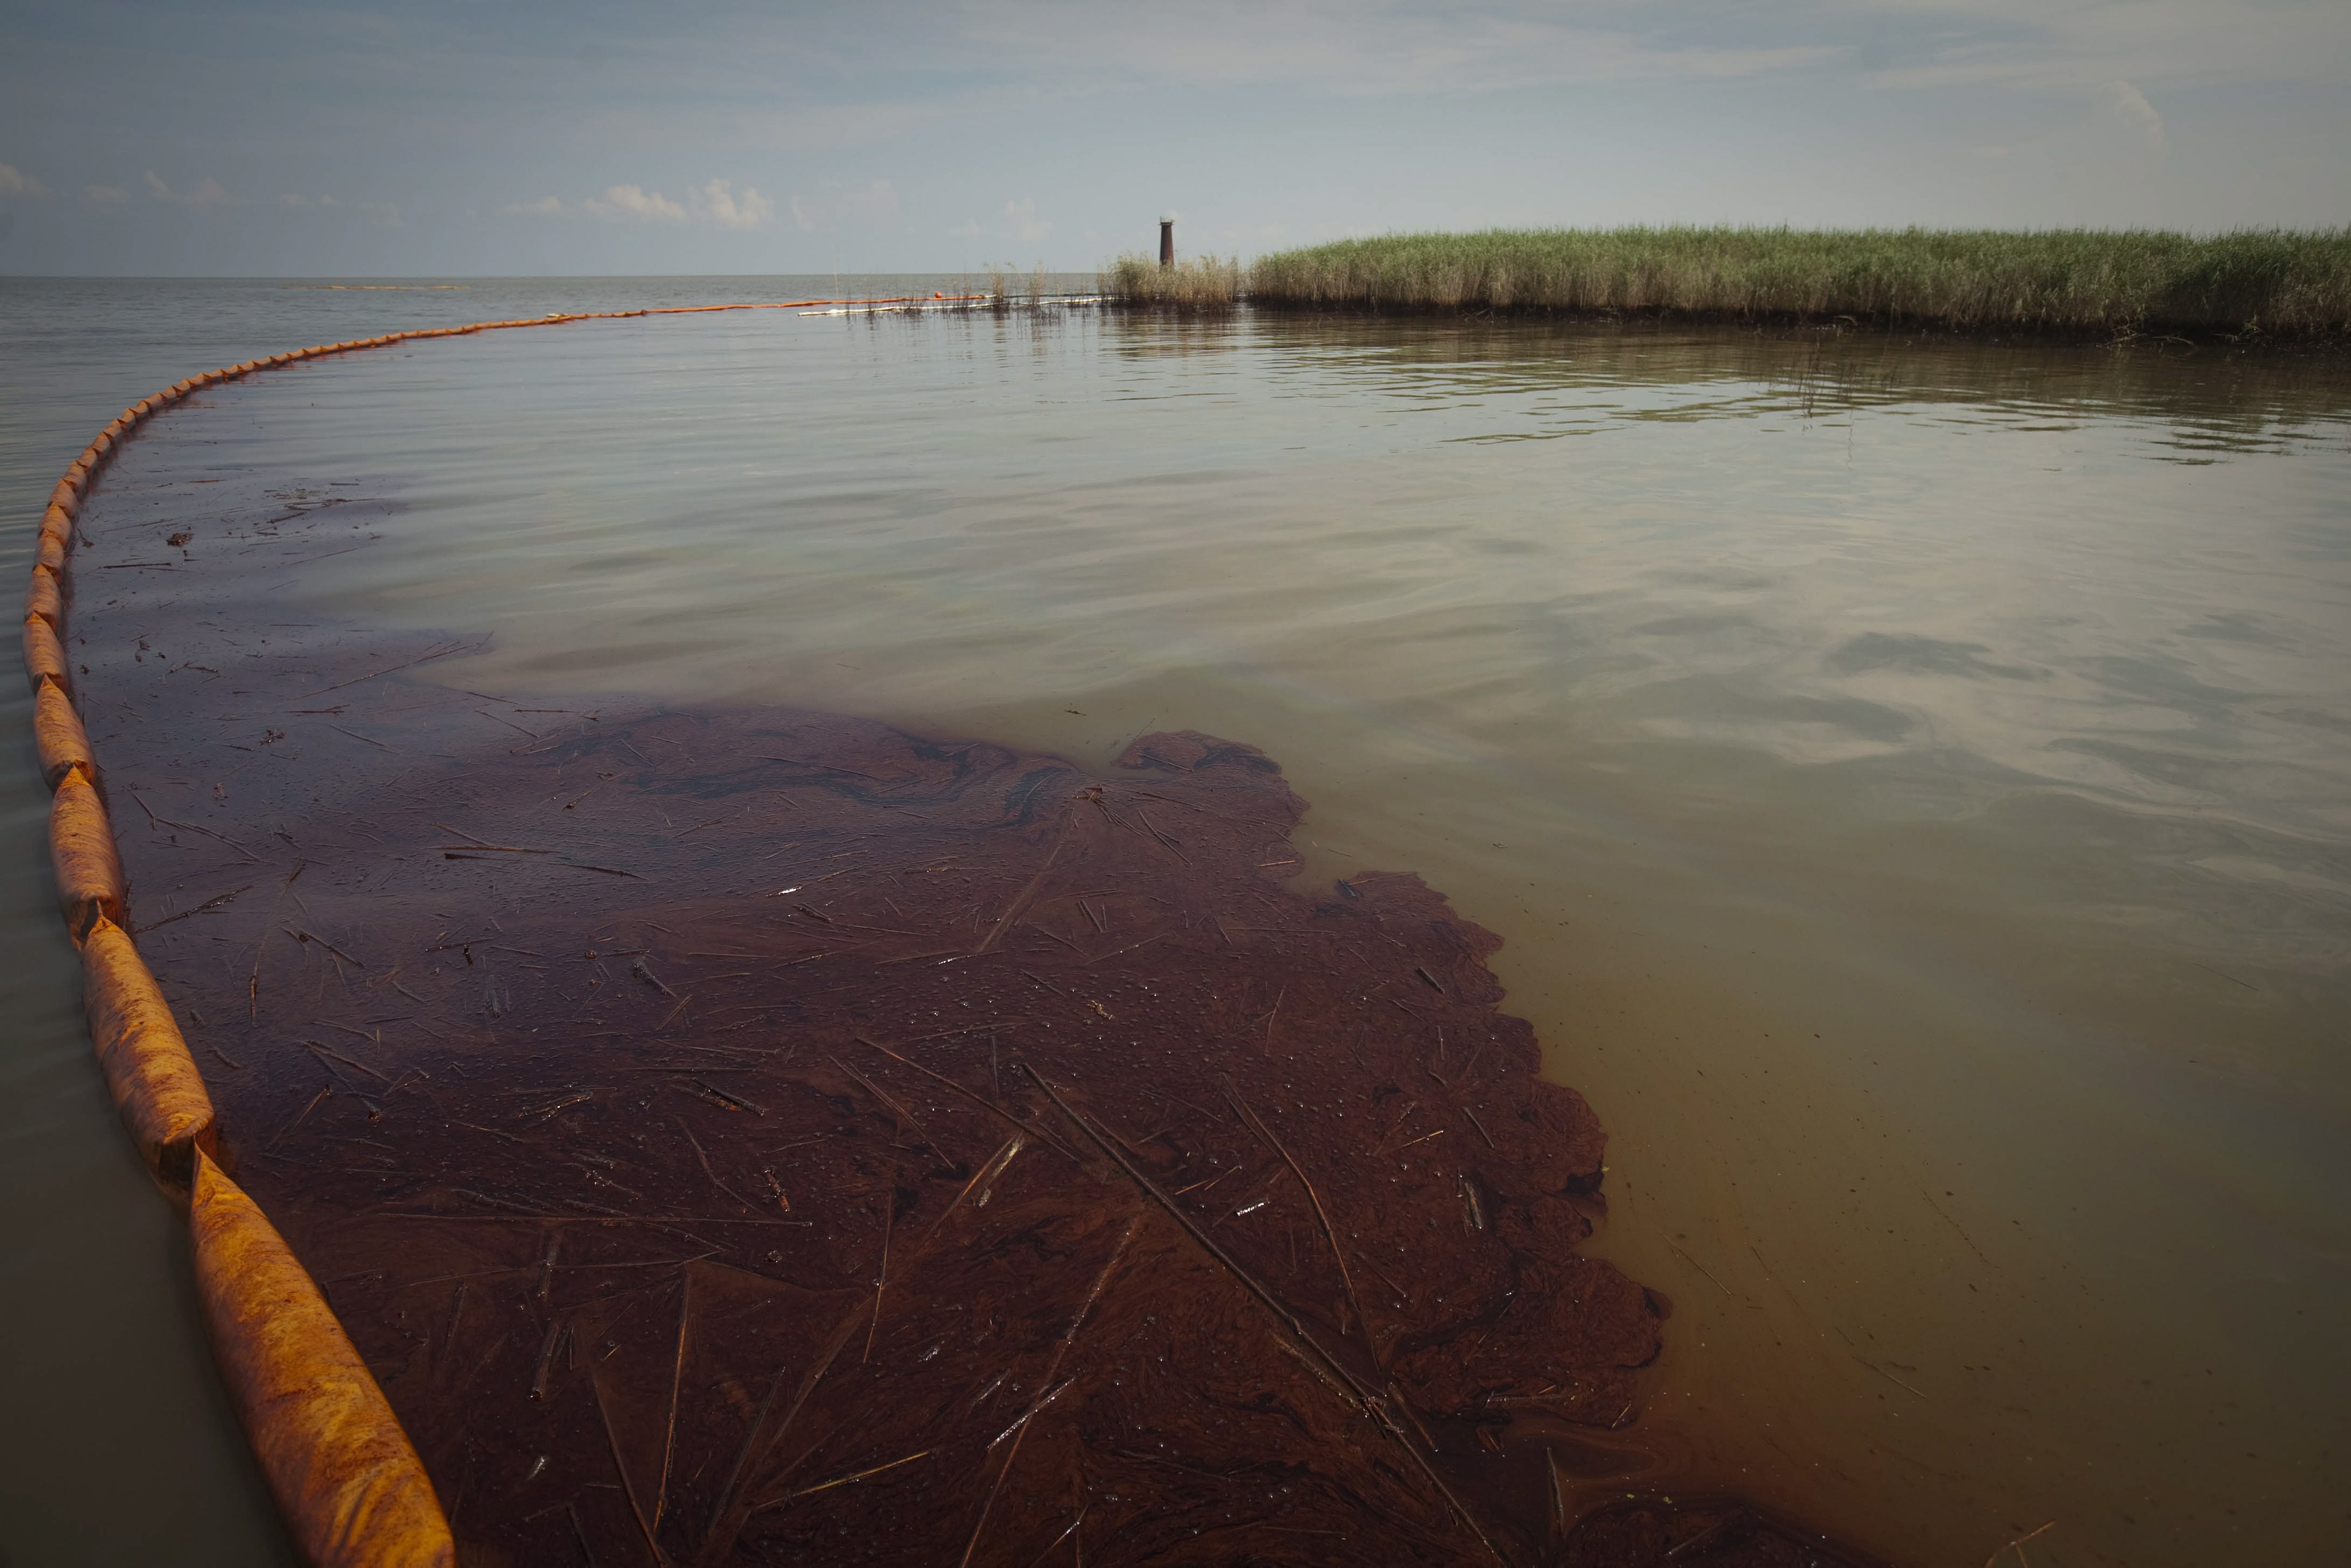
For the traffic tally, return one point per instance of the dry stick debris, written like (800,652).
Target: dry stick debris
(1699,1267)
(727,1509)
(1300,1341)
(437,653)
(1020,1428)
(209,904)
(881,1269)
(862,1475)
(628,1485)
(192,827)
(705,1158)
(905,1118)
(2017,1545)
(1321,1214)
(676,1376)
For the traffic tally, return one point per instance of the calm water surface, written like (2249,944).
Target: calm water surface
(1913,782)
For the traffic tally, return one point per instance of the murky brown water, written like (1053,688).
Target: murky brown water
(1909,782)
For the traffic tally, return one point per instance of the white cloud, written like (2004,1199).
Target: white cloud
(105,195)
(729,211)
(203,194)
(1020,221)
(2131,107)
(634,204)
(714,202)
(14,182)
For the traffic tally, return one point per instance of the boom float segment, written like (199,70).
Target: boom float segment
(45,654)
(57,733)
(42,601)
(46,588)
(81,851)
(153,1078)
(345,1476)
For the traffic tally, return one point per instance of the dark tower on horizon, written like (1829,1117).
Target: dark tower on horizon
(1167,242)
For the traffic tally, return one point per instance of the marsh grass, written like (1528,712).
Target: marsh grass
(2124,282)
(1008,288)
(1200,283)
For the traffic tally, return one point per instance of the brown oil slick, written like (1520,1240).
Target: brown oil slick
(755,1134)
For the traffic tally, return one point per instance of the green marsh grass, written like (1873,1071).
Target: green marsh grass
(2259,282)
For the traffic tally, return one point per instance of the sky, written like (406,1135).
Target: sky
(475,137)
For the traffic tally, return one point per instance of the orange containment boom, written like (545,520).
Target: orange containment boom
(349,1483)
(81,851)
(57,733)
(343,1472)
(153,1078)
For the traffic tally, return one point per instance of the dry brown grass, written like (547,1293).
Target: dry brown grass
(1202,283)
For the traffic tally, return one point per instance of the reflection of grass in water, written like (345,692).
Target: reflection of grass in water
(2266,281)
(1643,368)
(1202,283)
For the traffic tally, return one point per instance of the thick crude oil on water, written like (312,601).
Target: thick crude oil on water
(1906,780)
(784,1137)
